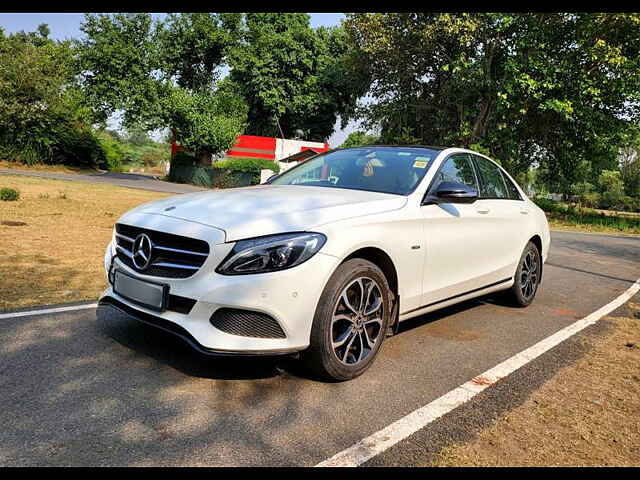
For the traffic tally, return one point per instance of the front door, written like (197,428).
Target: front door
(461,239)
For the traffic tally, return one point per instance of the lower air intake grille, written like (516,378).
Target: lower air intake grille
(246,323)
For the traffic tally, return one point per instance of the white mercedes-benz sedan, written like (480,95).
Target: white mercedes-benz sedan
(327,258)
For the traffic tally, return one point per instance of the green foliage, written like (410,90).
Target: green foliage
(41,116)
(611,181)
(582,188)
(224,178)
(113,150)
(573,215)
(591,200)
(194,45)
(293,77)
(235,172)
(116,61)
(555,90)
(247,165)
(136,137)
(207,122)
(9,194)
(612,188)
(358,139)
(164,74)
(630,165)
(200,176)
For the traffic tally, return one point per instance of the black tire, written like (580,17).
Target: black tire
(357,354)
(527,278)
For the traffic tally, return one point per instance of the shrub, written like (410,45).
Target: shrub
(9,194)
(548,205)
(149,158)
(225,178)
(591,200)
(248,165)
(582,188)
(113,151)
(201,177)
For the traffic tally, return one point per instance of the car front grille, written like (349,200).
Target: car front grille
(173,256)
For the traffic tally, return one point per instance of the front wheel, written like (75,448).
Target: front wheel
(350,321)
(527,279)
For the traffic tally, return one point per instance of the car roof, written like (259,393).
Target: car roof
(430,147)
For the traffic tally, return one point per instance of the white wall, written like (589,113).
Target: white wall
(286,148)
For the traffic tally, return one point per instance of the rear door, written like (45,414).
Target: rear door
(506,212)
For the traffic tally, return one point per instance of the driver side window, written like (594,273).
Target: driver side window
(456,168)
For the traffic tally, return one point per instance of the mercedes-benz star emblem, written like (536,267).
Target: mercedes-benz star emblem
(142,251)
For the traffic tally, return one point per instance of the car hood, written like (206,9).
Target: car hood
(267,209)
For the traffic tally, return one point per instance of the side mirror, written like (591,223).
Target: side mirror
(452,192)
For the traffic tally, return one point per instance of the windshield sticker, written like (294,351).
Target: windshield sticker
(419,164)
(404,153)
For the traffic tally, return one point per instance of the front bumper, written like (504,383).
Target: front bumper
(175,329)
(288,296)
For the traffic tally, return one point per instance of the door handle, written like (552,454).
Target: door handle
(483,210)
(524,211)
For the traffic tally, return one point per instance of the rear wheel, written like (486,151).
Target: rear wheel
(350,321)
(527,277)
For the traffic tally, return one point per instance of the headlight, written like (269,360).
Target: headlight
(271,253)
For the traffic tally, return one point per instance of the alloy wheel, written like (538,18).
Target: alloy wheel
(529,274)
(357,321)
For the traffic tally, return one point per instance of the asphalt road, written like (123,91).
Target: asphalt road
(130,180)
(95,387)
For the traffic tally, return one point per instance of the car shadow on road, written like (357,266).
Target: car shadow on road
(107,390)
(495,299)
(166,348)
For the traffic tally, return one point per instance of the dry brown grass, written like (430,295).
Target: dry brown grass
(41,167)
(57,256)
(587,414)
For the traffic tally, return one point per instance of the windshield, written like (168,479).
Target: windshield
(395,170)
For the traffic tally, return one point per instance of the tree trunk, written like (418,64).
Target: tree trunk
(204,158)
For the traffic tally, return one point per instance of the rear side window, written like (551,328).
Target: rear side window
(513,192)
(456,168)
(492,184)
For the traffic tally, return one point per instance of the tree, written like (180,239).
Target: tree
(292,76)
(116,64)
(358,138)
(193,46)
(164,74)
(41,117)
(555,89)
(206,123)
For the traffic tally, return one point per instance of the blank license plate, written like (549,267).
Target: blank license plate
(150,295)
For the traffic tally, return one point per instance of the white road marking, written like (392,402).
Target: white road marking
(401,429)
(47,310)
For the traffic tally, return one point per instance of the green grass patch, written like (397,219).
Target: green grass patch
(563,215)
(9,194)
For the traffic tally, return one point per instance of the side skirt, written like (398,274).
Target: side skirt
(476,292)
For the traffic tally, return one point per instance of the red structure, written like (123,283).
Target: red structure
(253,146)
(270,148)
